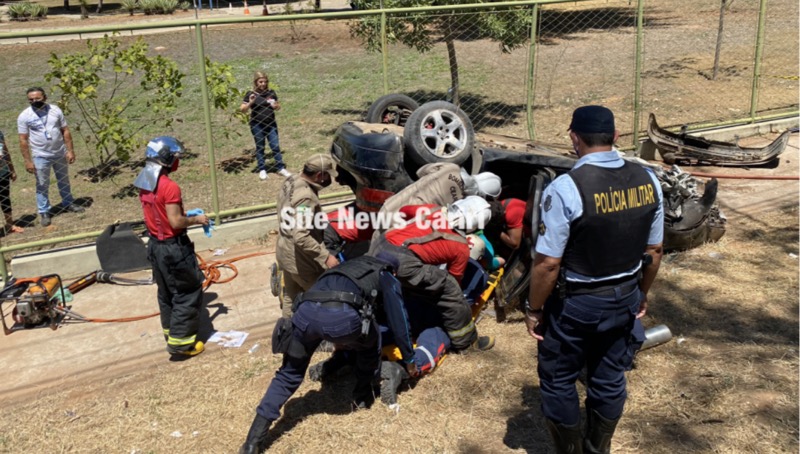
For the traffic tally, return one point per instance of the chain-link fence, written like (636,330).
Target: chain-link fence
(326,72)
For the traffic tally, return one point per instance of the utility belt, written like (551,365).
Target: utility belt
(337,300)
(625,284)
(183,238)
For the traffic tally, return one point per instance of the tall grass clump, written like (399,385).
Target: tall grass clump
(27,11)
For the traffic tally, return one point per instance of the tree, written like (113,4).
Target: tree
(510,27)
(101,85)
(119,91)
(725,4)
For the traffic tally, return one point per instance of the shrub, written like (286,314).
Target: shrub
(26,11)
(130,6)
(185,6)
(158,6)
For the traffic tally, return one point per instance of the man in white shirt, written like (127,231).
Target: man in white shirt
(45,143)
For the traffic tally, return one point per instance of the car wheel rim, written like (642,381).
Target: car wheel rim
(443,133)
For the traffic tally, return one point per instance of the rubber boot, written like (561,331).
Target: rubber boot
(392,375)
(257,436)
(599,432)
(363,394)
(567,439)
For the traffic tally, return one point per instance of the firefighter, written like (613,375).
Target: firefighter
(440,184)
(505,230)
(348,232)
(170,252)
(340,308)
(300,250)
(599,247)
(435,237)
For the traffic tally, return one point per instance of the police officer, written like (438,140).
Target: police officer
(597,254)
(300,251)
(171,253)
(338,308)
(434,239)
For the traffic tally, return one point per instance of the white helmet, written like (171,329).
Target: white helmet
(477,247)
(489,184)
(469,214)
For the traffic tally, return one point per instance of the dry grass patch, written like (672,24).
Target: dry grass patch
(727,383)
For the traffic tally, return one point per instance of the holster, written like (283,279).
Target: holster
(282,335)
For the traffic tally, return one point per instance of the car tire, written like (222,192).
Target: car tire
(438,131)
(393,108)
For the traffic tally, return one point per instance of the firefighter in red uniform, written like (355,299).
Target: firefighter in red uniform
(435,237)
(348,232)
(171,253)
(505,230)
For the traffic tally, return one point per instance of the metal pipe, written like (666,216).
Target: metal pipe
(637,76)
(656,336)
(201,54)
(532,71)
(87,235)
(762,19)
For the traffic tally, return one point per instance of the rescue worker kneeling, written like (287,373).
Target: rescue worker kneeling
(436,239)
(340,308)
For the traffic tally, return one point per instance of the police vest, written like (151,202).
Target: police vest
(364,271)
(618,209)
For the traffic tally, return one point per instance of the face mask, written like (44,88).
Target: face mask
(37,104)
(325,181)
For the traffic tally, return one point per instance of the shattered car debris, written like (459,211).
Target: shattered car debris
(684,148)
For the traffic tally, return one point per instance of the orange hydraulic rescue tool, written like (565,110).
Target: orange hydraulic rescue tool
(34,301)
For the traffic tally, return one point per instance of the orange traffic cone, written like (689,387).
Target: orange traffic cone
(246,9)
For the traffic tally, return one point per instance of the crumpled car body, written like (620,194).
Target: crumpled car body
(372,161)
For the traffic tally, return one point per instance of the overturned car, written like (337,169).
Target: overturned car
(378,158)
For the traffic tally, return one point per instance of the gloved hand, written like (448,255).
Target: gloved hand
(206,228)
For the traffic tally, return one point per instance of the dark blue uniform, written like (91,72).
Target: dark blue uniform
(337,308)
(598,219)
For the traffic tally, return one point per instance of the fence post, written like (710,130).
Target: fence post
(637,82)
(762,19)
(207,114)
(532,71)
(383,53)
(3,269)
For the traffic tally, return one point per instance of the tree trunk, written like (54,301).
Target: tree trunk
(66,5)
(99,6)
(451,56)
(724,5)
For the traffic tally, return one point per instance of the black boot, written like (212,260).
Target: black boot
(364,393)
(567,439)
(392,375)
(257,437)
(330,367)
(599,432)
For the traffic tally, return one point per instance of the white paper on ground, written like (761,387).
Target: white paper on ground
(228,338)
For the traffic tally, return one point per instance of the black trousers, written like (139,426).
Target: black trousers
(180,289)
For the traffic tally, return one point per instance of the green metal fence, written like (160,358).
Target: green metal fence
(521,68)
